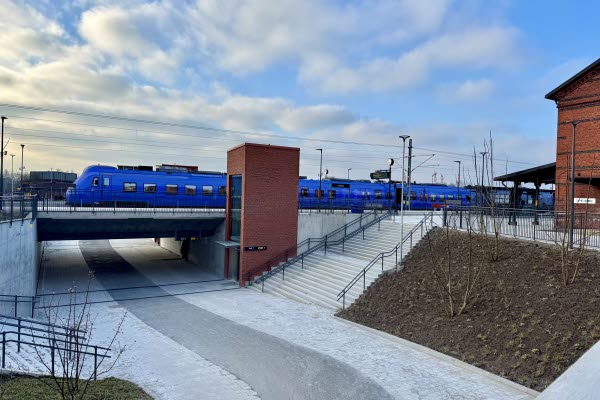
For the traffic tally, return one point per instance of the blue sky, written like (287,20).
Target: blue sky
(445,72)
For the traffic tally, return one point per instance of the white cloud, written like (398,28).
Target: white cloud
(467,91)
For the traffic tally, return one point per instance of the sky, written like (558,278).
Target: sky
(142,83)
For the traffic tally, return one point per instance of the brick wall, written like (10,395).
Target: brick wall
(579,104)
(269,201)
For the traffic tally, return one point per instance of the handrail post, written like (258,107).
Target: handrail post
(52,358)
(95,362)
(16,304)
(3,350)
(365,278)
(19,336)
(302,257)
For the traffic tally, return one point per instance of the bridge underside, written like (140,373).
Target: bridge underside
(86,228)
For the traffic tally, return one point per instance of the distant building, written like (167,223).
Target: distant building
(49,184)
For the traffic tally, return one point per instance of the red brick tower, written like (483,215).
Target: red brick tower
(262,206)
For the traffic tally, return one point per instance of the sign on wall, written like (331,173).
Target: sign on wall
(584,200)
(255,248)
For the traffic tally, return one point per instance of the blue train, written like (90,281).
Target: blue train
(186,186)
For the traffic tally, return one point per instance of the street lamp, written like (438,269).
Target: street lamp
(458,185)
(349,169)
(403,137)
(483,153)
(12,175)
(22,167)
(390,163)
(320,178)
(2,163)
(572,227)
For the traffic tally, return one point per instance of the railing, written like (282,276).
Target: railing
(381,256)
(551,226)
(322,245)
(54,337)
(14,303)
(18,207)
(307,245)
(314,205)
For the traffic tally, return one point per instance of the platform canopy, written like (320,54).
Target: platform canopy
(537,175)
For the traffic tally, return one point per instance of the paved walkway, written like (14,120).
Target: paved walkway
(280,348)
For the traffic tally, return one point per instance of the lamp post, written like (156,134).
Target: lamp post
(320,178)
(2,163)
(349,169)
(572,224)
(12,175)
(458,184)
(483,153)
(390,163)
(22,167)
(403,137)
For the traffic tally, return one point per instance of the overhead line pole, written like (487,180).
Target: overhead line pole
(2,163)
(409,172)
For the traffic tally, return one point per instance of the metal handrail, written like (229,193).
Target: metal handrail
(68,345)
(39,323)
(284,255)
(281,268)
(382,255)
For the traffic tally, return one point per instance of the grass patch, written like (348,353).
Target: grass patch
(23,387)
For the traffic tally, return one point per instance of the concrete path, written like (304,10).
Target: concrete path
(275,368)
(281,348)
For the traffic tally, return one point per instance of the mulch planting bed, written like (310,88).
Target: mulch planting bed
(522,322)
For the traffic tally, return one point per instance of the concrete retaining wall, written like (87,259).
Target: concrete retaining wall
(19,264)
(204,252)
(320,224)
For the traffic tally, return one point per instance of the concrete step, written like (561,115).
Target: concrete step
(291,291)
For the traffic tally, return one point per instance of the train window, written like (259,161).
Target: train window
(317,193)
(388,195)
(304,192)
(413,196)
(207,190)
(222,190)
(171,189)
(378,195)
(468,198)
(442,197)
(190,190)
(95,181)
(149,187)
(426,197)
(420,196)
(432,197)
(450,197)
(459,197)
(331,194)
(129,186)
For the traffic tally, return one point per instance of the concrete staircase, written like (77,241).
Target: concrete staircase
(325,274)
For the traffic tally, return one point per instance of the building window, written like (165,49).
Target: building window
(378,195)
(149,187)
(304,192)
(222,190)
(129,186)
(331,194)
(190,190)
(207,190)
(171,189)
(95,181)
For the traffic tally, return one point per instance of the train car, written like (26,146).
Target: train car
(185,186)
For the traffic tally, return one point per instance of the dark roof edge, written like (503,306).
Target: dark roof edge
(553,93)
(525,171)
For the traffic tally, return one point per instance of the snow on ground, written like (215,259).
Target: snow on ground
(164,368)
(402,370)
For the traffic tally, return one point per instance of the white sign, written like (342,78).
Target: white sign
(583,200)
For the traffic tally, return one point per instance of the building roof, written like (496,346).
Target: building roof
(554,94)
(543,174)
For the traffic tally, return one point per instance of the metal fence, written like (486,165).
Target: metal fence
(18,208)
(549,226)
(70,343)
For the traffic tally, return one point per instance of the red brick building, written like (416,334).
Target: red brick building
(578,104)
(262,206)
